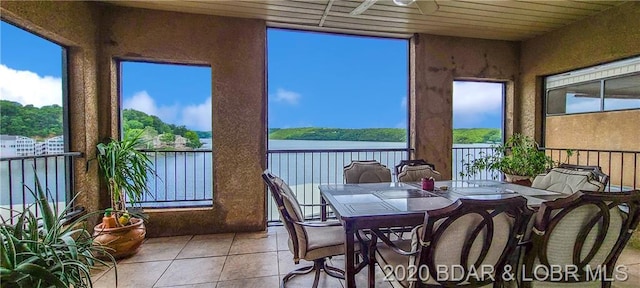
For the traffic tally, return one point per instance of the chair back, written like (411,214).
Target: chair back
(290,213)
(370,171)
(473,234)
(584,230)
(567,181)
(415,173)
(412,162)
(596,170)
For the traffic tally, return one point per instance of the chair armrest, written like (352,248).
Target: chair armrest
(317,224)
(313,204)
(392,245)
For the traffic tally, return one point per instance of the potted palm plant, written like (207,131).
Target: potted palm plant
(125,171)
(519,158)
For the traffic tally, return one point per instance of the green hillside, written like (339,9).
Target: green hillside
(477,135)
(460,136)
(45,122)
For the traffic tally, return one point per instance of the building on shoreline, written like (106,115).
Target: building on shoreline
(17,146)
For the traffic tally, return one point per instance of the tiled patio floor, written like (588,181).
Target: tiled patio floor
(243,260)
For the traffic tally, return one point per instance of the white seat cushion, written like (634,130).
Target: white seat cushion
(567,181)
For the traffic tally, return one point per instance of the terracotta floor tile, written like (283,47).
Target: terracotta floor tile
(135,275)
(250,265)
(192,271)
(245,243)
(207,245)
(260,282)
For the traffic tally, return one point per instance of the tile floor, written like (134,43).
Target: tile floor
(243,260)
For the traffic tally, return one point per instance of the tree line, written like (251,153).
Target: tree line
(460,136)
(47,121)
(30,121)
(151,126)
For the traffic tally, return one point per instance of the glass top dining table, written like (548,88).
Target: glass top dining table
(393,204)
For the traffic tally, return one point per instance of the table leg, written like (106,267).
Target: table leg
(323,209)
(349,255)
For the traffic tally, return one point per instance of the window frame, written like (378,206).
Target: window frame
(601,109)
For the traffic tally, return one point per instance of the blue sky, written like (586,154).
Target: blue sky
(315,80)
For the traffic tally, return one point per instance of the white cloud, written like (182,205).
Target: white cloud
(403,103)
(287,96)
(198,117)
(473,101)
(142,101)
(26,87)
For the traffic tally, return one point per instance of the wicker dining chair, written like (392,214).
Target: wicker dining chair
(580,234)
(369,171)
(412,162)
(415,173)
(469,233)
(311,241)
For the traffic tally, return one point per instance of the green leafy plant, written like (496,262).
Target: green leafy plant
(519,155)
(125,171)
(46,250)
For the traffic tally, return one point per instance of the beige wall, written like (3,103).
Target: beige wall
(436,61)
(599,131)
(606,37)
(609,36)
(234,49)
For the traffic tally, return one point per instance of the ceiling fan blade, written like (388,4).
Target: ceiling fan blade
(427,6)
(363,7)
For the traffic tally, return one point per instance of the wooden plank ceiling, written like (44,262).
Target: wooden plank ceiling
(504,20)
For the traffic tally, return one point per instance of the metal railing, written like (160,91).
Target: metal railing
(466,154)
(304,170)
(621,166)
(18,176)
(182,179)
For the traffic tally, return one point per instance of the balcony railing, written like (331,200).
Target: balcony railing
(183,179)
(621,166)
(305,169)
(466,154)
(17,177)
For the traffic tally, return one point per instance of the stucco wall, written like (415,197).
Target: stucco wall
(73,25)
(235,50)
(436,61)
(605,37)
(600,131)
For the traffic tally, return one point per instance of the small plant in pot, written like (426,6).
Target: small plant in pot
(519,158)
(125,171)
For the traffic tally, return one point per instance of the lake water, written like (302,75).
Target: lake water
(184,178)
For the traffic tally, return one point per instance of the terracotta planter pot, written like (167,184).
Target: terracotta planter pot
(517,179)
(125,241)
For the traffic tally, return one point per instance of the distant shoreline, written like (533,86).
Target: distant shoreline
(460,135)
